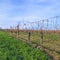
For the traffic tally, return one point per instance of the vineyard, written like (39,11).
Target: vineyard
(49,40)
(31,41)
(13,49)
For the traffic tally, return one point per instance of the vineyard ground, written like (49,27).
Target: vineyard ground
(51,40)
(13,49)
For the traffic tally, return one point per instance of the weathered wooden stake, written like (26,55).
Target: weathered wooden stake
(29,34)
(18,31)
(41,37)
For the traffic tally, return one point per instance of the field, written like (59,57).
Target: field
(51,40)
(13,49)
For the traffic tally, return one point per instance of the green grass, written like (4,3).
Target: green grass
(49,36)
(50,40)
(36,36)
(13,49)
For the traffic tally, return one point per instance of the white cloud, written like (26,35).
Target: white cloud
(31,10)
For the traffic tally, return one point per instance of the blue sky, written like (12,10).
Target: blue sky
(13,11)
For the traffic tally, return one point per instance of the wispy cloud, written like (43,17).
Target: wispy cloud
(12,11)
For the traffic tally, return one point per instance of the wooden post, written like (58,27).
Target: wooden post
(18,31)
(41,37)
(11,30)
(41,33)
(29,34)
